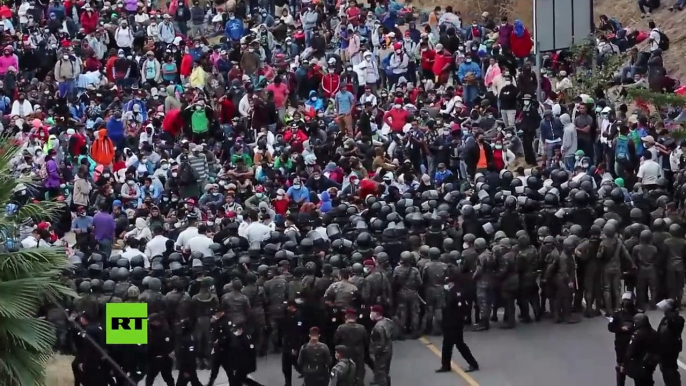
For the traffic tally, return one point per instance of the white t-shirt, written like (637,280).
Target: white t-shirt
(257,232)
(655,39)
(649,172)
(201,243)
(185,236)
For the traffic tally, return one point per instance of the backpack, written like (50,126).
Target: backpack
(664,41)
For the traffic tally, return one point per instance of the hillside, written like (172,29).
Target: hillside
(626,11)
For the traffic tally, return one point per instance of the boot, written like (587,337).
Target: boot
(484,326)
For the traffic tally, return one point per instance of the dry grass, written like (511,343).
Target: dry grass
(58,371)
(472,9)
(670,23)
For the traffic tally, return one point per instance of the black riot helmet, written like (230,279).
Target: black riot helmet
(551,199)
(364,240)
(617,195)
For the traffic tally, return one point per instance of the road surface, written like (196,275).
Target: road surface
(538,354)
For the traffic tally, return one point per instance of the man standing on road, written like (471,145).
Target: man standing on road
(669,332)
(453,328)
(621,324)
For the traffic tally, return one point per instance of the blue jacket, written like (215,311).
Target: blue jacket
(326,202)
(154,193)
(115,129)
(196,53)
(551,130)
(299,194)
(223,65)
(468,67)
(317,105)
(234,29)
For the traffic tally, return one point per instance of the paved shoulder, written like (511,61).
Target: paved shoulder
(544,353)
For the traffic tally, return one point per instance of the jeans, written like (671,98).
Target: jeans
(431,165)
(71,86)
(470,93)
(629,71)
(105,246)
(569,161)
(644,3)
(308,36)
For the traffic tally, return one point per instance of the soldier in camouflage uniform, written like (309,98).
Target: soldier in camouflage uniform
(343,373)
(611,252)
(257,318)
(203,306)
(484,276)
(354,336)
(406,284)
(275,291)
(235,304)
(433,275)
(508,275)
(561,272)
(676,247)
(314,360)
(586,253)
(381,346)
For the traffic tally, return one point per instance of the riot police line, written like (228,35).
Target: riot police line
(553,244)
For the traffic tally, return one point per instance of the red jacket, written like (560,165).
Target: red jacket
(172,123)
(109,67)
(330,84)
(281,206)
(186,65)
(367,188)
(298,135)
(441,60)
(398,119)
(521,46)
(226,111)
(428,58)
(76,142)
(89,22)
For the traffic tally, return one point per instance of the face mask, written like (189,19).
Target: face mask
(446,287)
(317,177)
(130,182)
(175,199)
(106,175)
(397,106)
(373,315)
(215,193)
(465,246)
(165,166)
(498,147)
(526,103)
(175,174)
(508,83)
(468,60)
(297,187)
(251,50)
(65,57)
(238,333)
(259,195)
(82,214)
(299,301)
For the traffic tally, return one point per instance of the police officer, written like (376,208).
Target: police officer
(622,325)
(561,273)
(221,333)
(294,334)
(645,254)
(87,365)
(642,353)
(257,318)
(242,357)
(676,248)
(160,347)
(669,333)
(236,304)
(343,373)
(353,336)
(612,266)
(434,274)
(453,327)
(484,276)
(186,361)
(314,360)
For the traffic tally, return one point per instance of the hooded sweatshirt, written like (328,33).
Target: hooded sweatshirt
(325,202)
(568,136)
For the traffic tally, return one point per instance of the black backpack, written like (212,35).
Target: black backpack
(664,41)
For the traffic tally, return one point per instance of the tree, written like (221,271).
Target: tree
(28,277)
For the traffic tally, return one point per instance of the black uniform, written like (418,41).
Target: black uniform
(160,346)
(622,325)
(669,332)
(87,365)
(186,362)
(294,336)
(453,329)
(642,355)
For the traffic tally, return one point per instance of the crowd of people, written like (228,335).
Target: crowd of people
(320,180)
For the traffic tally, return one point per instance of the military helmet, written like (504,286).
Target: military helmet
(434,253)
(108,286)
(480,244)
(85,287)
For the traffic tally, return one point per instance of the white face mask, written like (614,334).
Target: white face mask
(468,60)
(299,301)
(396,106)
(465,245)
(526,103)
(297,187)
(508,83)
(373,315)
(446,287)
(165,166)
(130,182)
(65,57)
(175,174)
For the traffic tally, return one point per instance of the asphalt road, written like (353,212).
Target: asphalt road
(538,354)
